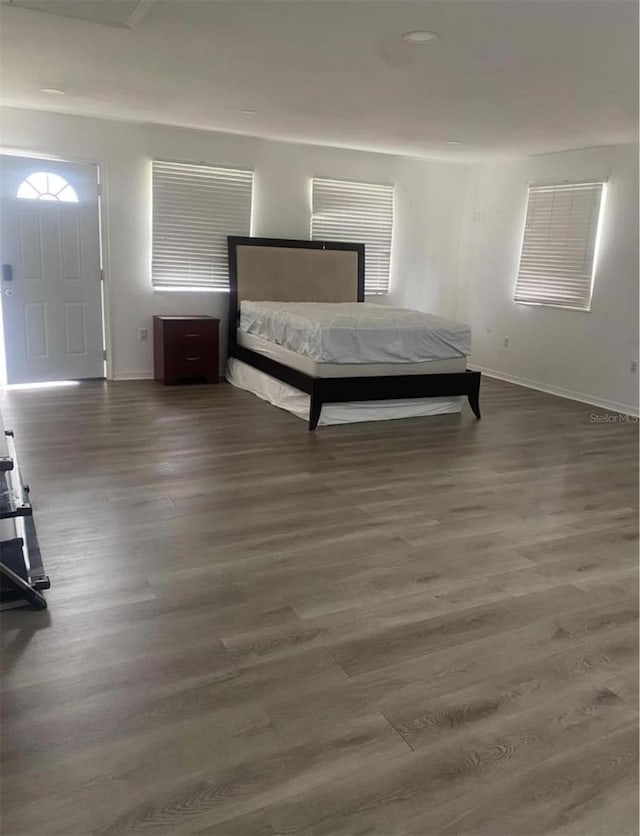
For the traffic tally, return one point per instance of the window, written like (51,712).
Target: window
(45,185)
(361,213)
(559,247)
(195,207)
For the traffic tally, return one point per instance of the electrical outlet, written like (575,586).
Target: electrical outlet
(507,342)
(142,335)
(633,368)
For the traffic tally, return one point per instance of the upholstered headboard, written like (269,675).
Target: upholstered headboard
(283,270)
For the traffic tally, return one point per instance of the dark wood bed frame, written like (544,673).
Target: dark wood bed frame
(342,389)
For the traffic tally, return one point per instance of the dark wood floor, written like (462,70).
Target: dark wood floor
(423,627)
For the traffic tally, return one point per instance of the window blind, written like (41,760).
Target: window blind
(195,207)
(558,248)
(361,213)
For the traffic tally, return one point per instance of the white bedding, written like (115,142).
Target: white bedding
(308,366)
(297,403)
(356,332)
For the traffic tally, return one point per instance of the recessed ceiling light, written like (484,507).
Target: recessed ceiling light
(53,91)
(453,142)
(420,36)
(250,112)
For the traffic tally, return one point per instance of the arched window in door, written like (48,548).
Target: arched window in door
(45,185)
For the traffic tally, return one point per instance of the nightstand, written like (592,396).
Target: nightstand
(185,348)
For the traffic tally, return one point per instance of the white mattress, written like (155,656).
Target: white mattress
(308,366)
(356,332)
(297,403)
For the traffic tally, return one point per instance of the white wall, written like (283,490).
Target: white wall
(429,211)
(581,355)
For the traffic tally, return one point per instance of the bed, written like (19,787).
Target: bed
(291,343)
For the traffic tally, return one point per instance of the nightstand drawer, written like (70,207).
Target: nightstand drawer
(184,345)
(190,330)
(187,367)
(191,362)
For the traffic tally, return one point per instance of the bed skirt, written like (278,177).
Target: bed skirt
(297,403)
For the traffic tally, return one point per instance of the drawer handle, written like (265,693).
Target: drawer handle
(191,358)
(192,335)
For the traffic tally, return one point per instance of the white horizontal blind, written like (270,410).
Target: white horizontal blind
(361,213)
(195,207)
(558,249)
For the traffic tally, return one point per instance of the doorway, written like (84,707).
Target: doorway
(51,282)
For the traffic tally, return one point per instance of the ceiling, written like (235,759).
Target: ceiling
(127,13)
(507,77)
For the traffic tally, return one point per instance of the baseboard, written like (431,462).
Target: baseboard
(613,406)
(133,376)
(143,375)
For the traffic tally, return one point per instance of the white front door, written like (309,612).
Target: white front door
(51,279)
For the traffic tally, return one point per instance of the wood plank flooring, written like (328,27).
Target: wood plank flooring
(410,628)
